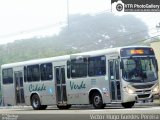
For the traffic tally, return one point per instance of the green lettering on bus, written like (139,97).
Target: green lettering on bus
(77,86)
(36,88)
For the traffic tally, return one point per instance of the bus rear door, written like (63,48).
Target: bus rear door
(60,82)
(19,91)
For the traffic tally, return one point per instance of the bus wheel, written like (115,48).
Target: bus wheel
(97,101)
(68,106)
(128,104)
(64,107)
(43,107)
(35,102)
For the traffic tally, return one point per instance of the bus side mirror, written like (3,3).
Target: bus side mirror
(157,65)
(121,65)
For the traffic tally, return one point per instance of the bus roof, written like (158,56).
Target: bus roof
(67,57)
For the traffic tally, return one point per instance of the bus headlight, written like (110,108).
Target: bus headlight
(155,88)
(128,90)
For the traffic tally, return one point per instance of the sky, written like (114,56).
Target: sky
(20,19)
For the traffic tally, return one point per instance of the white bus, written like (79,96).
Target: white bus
(118,75)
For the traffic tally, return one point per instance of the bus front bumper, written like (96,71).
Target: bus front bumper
(147,95)
(140,97)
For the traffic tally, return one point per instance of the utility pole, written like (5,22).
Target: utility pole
(68,13)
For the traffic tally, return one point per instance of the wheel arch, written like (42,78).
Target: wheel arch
(94,90)
(33,93)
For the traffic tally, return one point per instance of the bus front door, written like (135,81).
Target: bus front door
(114,78)
(60,85)
(19,91)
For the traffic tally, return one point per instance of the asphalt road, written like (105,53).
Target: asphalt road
(114,112)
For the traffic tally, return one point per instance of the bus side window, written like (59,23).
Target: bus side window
(25,74)
(7,76)
(79,67)
(97,66)
(33,73)
(68,69)
(46,71)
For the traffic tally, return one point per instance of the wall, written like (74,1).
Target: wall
(156,47)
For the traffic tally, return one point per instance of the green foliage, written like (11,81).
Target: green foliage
(85,33)
(29,49)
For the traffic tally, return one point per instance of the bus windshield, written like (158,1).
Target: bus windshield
(139,69)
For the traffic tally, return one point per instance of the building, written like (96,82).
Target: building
(156,46)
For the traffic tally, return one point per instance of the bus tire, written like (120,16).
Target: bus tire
(64,107)
(43,107)
(128,104)
(35,102)
(68,106)
(97,101)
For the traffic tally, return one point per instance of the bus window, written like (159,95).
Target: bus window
(129,68)
(25,74)
(68,69)
(7,76)
(111,70)
(139,69)
(117,69)
(63,75)
(46,71)
(79,67)
(97,66)
(57,76)
(33,73)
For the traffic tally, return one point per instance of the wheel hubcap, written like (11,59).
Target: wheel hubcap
(35,102)
(96,100)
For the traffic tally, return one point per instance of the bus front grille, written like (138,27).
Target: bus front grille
(142,86)
(144,96)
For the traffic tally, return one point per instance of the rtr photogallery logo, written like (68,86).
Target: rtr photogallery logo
(119,7)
